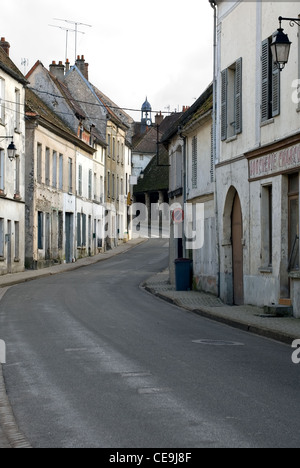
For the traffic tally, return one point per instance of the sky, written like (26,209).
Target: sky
(161,49)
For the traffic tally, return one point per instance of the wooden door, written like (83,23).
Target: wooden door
(237,252)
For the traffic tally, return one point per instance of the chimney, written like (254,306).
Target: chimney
(67,66)
(5,45)
(57,70)
(82,66)
(159,118)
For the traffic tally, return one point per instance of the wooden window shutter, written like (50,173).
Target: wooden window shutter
(238,97)
(194,163)
(212,162)
(265,81)
(79,229)
(275,88)
(224,83)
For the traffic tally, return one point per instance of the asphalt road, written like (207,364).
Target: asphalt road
(95,361)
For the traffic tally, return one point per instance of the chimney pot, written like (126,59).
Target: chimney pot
(5,45)
(58,70)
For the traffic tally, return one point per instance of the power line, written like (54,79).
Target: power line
(125,109)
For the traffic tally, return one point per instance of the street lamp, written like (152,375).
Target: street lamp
(281,44)
(11,150)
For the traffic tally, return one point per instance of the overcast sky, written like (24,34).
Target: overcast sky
(159,48)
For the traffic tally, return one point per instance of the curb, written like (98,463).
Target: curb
(8,423)
(254,329)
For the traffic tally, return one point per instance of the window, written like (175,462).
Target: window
(47,166)
(90,185)
(293,201)
(2,170)
(2,101)
(101,190)
(1,238)
(231,101)
(81,230)
(17,241)
(194,162)
(114,149)
(108,184)
(61,172)
(60,230)
(54,170)
(40,230)
(18,109)
(113,186)
(270,101)
(80,180)
(95,186)
(70,175)
(267,225)
(141,157)
(17,182)
(178,168)
(39,163)
(109,145)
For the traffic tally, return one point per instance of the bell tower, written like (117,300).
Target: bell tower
(146,115)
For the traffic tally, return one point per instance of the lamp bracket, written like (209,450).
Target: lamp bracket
(292,21)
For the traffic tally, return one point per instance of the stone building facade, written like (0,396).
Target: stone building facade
(12,173)
(257,156)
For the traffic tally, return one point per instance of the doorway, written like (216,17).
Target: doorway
(69,237)
(237,252)
(9,256)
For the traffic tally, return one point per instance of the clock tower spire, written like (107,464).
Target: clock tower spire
(146,115)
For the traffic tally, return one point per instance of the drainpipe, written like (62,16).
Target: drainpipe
(213,4)
(184,188)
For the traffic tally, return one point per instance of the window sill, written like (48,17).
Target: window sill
(267,122)
(265,270)
(17,260)
(2,259)
(294,275)
(231,139)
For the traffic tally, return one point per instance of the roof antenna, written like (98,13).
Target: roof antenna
(76,24)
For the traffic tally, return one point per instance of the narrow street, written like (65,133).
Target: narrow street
(95,361)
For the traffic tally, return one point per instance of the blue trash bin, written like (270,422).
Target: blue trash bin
(183,274)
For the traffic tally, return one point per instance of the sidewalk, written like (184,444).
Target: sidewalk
(247,318)
(10,437)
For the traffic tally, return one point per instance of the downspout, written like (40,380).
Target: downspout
(213,4)
(184,176)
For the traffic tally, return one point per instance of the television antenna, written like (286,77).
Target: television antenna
(76,24)
(67,35)
(25,64)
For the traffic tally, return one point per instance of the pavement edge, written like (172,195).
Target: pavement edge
(8,423)
(255,330)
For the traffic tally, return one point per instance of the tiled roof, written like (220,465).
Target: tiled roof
(35,107)
(7,65)
(203,105)
(156,175)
